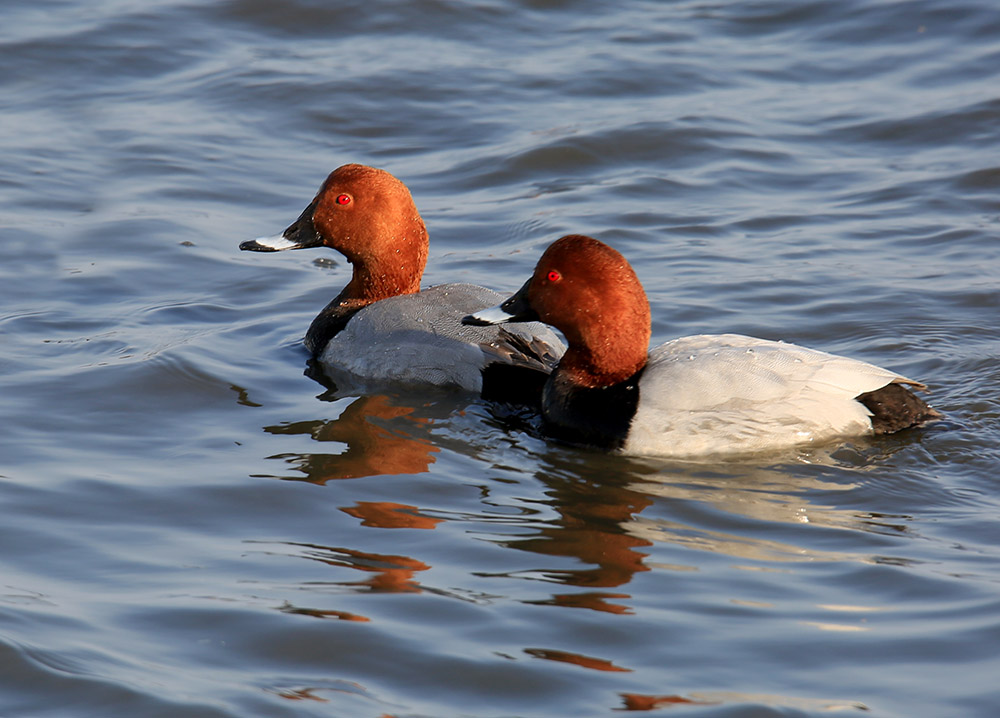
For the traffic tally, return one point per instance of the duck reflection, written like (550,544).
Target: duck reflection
(588,528)
(744,511)
(611,514)
(381,438)
(611,517)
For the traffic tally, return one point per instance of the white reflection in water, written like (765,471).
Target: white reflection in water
(765,496)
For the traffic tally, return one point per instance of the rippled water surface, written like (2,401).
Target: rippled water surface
(194,527)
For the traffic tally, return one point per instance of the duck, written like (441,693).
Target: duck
(382,328)
(693,396)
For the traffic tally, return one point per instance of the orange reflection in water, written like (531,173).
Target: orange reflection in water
(589,528)
(391,573)
(318,613)
(310,693)
(372,449)
(301,694)
(594,600)
(639,702)
(596,664)
(389,515)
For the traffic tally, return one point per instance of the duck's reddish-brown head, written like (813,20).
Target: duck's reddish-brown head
(590,293)
(369,216)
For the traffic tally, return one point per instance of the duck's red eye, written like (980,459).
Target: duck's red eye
(553,276)
(344,199)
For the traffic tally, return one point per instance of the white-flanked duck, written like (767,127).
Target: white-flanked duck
(694,396)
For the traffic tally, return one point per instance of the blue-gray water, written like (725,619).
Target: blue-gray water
(192,527)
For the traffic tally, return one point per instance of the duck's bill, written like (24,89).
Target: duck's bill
(485,317)
(515,309)
(301,234)
(277,243)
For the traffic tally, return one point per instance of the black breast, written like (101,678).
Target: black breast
(594,417)
(328,324)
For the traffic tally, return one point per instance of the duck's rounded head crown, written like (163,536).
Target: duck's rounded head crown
(590,292)
(369,216)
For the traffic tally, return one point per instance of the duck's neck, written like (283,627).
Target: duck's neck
(389,279)
(383,273)
(605,353)
(592,371)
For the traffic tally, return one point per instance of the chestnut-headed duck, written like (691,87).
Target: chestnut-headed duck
(381,328)
(694,396)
